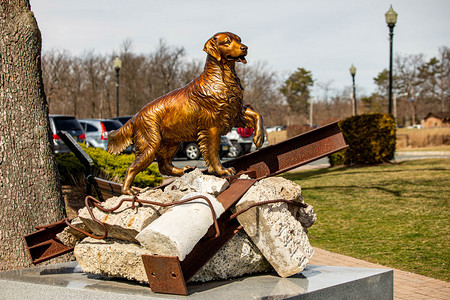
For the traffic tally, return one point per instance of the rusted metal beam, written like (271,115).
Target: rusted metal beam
(266,162)
(164,274)
(292,153)
(43,244)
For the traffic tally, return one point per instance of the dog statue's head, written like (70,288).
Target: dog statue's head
(226,46)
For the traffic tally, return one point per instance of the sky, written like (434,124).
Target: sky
(323,36)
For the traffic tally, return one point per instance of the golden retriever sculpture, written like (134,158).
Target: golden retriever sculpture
(203,110)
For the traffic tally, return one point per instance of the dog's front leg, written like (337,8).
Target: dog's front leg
(209,142)
(254,120)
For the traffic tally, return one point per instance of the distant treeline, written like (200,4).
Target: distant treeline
(85,86)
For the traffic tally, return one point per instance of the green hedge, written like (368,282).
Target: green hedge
(107,166)
(371,139)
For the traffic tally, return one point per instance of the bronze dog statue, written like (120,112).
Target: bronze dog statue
(203,110)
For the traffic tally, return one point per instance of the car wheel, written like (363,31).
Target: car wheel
(192,151)
(236,150)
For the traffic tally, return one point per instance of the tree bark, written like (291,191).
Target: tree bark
(30,191)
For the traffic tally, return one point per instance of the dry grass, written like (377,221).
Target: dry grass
(442,148)
(426,137)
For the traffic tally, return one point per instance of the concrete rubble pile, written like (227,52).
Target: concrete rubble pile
(274,235)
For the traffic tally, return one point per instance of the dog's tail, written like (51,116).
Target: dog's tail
(120,139)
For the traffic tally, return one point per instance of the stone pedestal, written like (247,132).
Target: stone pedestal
(67,281)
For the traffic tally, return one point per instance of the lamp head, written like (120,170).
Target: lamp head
(117,64)
(353,70)
(391,17)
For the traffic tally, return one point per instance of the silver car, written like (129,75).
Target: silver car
(97,131)
(241,139)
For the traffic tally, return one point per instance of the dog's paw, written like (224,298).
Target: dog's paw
(129,191)
(230,171)
(222,172)
(258,139)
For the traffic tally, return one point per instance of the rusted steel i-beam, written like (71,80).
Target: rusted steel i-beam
(292,153)
(43,244)
(166,274)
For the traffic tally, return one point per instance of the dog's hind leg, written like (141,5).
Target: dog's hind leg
(141,162)
(146,143)
(164,158)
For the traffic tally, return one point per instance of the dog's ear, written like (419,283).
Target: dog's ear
(212,49)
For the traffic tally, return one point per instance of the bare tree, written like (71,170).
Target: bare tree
(29,184)
(262,92)
(435,75)
(190,70)
(164,66)
(56,69)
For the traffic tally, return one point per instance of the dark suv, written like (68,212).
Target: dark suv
(122,119)
(69,124)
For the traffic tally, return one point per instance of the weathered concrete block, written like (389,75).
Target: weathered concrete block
(196,181)
(180,228)
(115,258)
(237,258)
(276,229)
(69,236)
(111,257)
(125,223)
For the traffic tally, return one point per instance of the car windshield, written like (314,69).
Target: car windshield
(111,125)
(67,123)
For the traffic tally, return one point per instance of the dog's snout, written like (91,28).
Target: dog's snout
(243,47)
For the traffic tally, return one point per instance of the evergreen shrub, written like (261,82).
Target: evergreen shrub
(371,139)
(106,166)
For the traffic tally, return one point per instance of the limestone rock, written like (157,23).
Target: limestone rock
(112,258)
(125,223)
(196,181)
(115,258)
(69,236)
(181,227)
(278,229)
(236,258)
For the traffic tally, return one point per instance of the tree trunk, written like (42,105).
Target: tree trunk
(30,192)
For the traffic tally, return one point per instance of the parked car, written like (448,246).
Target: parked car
(65,123)
(97,131)
(191,150)
(241,139)
(122,119)
(275,128)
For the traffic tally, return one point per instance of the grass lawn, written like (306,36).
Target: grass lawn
(395,215)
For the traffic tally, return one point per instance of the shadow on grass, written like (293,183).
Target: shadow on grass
(312,173)
(353,187)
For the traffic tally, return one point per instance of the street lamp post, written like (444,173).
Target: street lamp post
(391,19)
(117,66)
(353,73)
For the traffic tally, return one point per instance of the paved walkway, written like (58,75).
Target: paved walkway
(408,286)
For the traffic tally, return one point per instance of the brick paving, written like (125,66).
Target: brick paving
(407,285)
